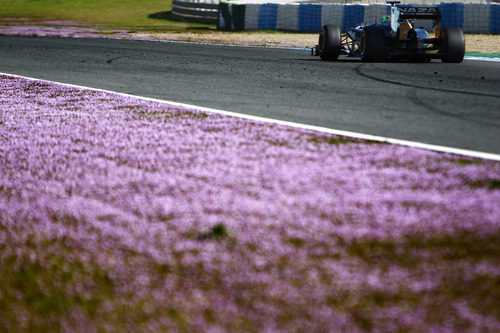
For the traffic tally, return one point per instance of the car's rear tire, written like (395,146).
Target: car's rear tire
(372,44)
(453,43)
(419,59)
(330,40)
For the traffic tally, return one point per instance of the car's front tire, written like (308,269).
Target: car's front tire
(330,40)
(453,43)
(372,44)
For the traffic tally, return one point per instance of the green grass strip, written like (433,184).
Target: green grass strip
(144,14)
(487,55)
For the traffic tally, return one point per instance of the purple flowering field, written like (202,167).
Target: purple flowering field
(63,32)
(119,214)
(57,29)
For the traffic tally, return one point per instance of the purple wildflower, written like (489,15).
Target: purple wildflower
(109,206)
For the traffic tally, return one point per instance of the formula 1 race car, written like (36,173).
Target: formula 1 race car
(395,38)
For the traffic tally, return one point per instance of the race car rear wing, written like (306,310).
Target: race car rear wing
(401,14)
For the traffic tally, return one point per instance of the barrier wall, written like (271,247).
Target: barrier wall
(205,11)
(471,17)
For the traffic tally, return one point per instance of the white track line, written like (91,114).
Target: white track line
(413,144)
(495,59)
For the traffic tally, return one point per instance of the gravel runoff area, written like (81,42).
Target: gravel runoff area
(120,214)
(474,42)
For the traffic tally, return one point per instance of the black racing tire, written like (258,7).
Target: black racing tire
(419,59)
(330,40)
(453,44)
(372,44)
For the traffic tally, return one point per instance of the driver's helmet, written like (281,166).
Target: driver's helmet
(385,19)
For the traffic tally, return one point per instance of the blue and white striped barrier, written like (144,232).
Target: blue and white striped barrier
(471,17)
(474,18)
(452,14)
(495,19)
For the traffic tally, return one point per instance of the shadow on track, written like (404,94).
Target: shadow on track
(358,70)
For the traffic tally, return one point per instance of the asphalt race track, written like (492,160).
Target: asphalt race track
(455,105)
